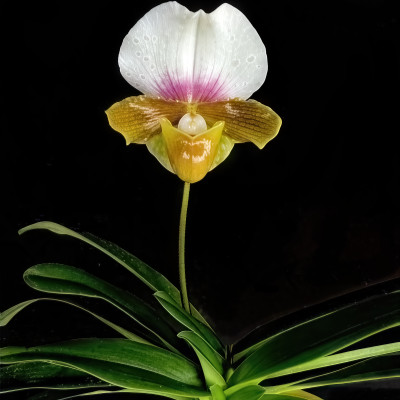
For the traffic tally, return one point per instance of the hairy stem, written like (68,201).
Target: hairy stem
(182,234)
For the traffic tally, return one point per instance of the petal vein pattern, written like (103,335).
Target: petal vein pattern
(245,121)
(138,117)
(175,54)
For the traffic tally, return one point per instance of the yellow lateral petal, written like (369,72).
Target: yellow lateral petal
(191,157)
(245,121)
(138,117)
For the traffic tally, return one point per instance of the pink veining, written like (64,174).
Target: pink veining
(193,91)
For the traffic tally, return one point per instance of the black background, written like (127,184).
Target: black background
(313,216)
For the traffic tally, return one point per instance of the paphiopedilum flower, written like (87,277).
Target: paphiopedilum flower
(196,72)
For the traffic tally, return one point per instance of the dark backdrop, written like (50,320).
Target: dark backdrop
(313,216)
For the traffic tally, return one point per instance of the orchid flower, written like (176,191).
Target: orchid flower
(196,72)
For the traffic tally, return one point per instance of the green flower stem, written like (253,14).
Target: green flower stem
(182,234)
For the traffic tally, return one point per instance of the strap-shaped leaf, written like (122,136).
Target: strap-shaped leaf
(29,375)
(290,396)
(66,394)
(121,362)
(149,276)
(191,323)
(341,358)
(319,337)
(7,315)
(64,279)
(251,392)
(263,333)
(299,395)
(385,367)
(211,362)
(217,392)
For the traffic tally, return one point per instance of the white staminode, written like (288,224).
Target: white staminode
(192,124)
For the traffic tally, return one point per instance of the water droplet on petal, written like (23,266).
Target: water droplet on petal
(235,63)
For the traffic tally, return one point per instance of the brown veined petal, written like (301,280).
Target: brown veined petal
(245,121)
(138,117)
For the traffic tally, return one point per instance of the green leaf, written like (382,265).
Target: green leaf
(65,394)
(189,322)
(249,350)
(7,315)
(299,394)
(251,392)
(121,362)
(385,367)
(64,279)
(288,396)
(211,362)
(215,359)
(319,337)
(68,394)
(153,279)
(341,358)
(217,393)
(29,375)
(149,276)
(123,391)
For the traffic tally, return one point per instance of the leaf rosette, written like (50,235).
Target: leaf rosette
(185,359)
